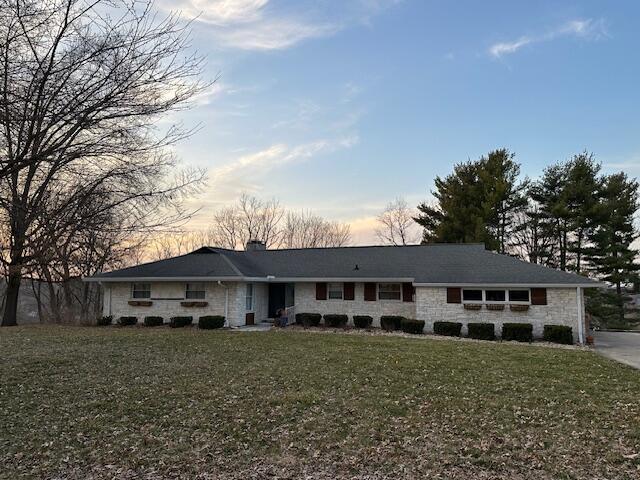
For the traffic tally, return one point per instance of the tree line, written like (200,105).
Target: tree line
(86,172)
(573,218)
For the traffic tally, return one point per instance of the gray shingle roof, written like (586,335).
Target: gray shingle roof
(463,264)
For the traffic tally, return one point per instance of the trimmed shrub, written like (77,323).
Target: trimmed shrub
(558,334)
(308,319)
(391,322)
(411,325)
(336,321)
(520,332)
(125,321)
(362,321)
(450,329)
(209,322)
(178,322)
(153,321)
(482,331)
(104,321)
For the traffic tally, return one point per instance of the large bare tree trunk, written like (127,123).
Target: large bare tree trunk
(10,315)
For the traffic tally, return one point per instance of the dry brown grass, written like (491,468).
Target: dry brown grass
(158,403)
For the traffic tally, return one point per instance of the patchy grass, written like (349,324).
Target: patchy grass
(158,403)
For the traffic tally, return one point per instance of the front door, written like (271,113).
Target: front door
(250,318)
(277,297)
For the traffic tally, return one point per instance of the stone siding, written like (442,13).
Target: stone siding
(306,302)
(561,309)
(166,298)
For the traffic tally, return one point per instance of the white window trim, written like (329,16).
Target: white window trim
(519,302)
(204,289)
(506,300)
(252,296)
(341,291)
(394,300)
(131,290)
(472,301)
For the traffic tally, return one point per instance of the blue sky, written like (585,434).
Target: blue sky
(340,106)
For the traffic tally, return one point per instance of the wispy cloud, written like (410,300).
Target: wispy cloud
(259,25)
(581,28)
(246,172)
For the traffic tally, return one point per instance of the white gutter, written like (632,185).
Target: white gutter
(580,316)
(226,302)
(512,285)
(271,278)
(161,279)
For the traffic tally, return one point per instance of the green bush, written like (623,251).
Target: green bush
(558,334)
(104,321)
(336,321)
(153,321)
(521,332)
(362,321)
(308,319)
(125,321)
(391,322)
(482,331)
(450,329)
(411,325)
(209,322)
(178,322)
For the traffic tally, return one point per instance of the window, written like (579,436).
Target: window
(194,291)
(495,295)
(472,295)
(389,291)
(335,291)
(519,296)
(140,290)
(249,297)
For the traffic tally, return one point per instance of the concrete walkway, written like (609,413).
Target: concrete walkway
(259,327)
(621,346)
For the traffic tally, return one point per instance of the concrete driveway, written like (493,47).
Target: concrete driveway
(621,346)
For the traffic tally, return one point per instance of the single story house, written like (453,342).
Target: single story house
(438,282)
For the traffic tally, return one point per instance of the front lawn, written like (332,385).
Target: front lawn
(158,403)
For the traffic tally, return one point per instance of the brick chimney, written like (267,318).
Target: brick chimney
(253,245)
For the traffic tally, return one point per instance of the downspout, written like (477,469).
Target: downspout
(226,303)
(580,316)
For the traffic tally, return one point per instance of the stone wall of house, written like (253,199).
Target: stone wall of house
(305,301)
(166,298)
(561,309)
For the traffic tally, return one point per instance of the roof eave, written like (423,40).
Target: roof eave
(592,284)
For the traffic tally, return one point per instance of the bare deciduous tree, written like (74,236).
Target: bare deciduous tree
(82,86)
(307,230)
(254,219)
(397,224)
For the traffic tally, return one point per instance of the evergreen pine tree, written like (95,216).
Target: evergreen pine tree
(610,253)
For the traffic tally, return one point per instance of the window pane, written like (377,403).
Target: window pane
(335,291)
(249,297)
(195,291)
(519,295)
(141,290)
(495,295)
(389,291)
(472,295)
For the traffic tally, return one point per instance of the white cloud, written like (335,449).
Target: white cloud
(218,12)
(258,25)
(275,34)
(246,172)
(588,28)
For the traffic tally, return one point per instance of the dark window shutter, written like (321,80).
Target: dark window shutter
(370,292)
(538,296)
(349,291)
(454,295)
(407,292)
(321,291)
